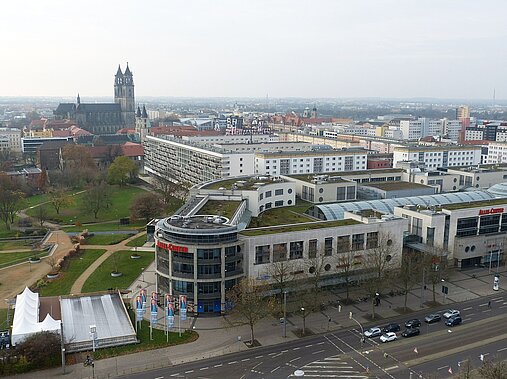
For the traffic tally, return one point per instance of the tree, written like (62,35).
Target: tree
(59,198)
(247,300)
(407,274)
(42,214)
(97,199)
(282,273)
(41,349)
(170,188)
(10,199)
(53,263)
(78,165)
(346,263)
(435,268)
(493,370)
(146,206)
(377,264)
(122,170)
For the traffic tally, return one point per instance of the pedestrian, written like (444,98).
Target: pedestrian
(489,304)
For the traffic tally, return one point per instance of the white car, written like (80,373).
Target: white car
(372,332)
(450,313)
(388,337)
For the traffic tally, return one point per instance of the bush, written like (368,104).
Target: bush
(41,350)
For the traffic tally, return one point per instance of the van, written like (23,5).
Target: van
(453,321)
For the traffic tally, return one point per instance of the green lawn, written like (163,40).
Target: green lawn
(143,334)
(109,226)
(121,199)
(36,199)
(106,239)
(15,244)
(3,318)
(221,208)
(102,280)
(283,215)
(298,227)
(9,259)
(138,241)
(77,265)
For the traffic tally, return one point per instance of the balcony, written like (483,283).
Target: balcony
(233,257)
(209,276)
(237,271)
(183,275)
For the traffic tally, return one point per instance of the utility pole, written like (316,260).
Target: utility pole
(358,323)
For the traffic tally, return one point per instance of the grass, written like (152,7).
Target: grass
(36,199)
(9,259)
(143,334)
(102,280)
(138,241)
(298,227)
(76,266)
(121,199)
(283,215)
(14,244)
(106,239)
(105,227)
(221,208)
(475,204)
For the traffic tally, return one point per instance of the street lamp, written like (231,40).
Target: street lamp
(304,320)
(358,323)
(284,314)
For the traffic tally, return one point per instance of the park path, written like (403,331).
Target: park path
(14,279)
(110,249)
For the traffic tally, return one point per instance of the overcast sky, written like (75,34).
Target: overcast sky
(251,48)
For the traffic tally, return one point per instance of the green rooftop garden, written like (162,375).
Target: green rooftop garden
(298,227)
(221,208)
(475,204)
(283,215)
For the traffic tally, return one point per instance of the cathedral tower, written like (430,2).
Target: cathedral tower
(124,95)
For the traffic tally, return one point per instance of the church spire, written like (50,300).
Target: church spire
(78,99)
(119,73)
(145,114)
(138,113)
(127,70)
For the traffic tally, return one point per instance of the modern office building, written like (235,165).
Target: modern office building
(435,157)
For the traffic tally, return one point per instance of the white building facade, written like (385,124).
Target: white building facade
(434,157)
(10,139)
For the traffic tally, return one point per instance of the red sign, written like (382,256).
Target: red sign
(170,246)
(490,211)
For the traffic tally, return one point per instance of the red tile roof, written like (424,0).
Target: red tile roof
(131,149)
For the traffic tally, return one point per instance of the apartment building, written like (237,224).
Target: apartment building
(434,157)
(497,153)
(10,139)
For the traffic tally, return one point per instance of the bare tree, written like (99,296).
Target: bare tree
(10,199)
(435,267)
(42,214)
(407,275)
(53,263)
(97,199)
(281,274)
(493,370)
(345,263)
(146,206)
(377,265)
(170,187)
(248,301)
(59,198)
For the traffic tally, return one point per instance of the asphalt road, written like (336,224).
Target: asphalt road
(342,355)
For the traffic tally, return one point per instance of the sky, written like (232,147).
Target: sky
(253,48)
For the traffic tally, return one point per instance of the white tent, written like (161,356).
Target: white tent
(26,318)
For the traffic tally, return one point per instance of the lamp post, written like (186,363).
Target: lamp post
(444,290)
(304,320)
(358,323)
(284,314)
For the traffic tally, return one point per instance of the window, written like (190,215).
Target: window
(262,254)
(278,192)
(430,236)
(267,194)
(321,190)
(312,249)
(279,252)
(269,205)
(328,246)
(296,250)
(372,240)
(261,196)
(357,242)
(208,253)
(342,244)
(279,203)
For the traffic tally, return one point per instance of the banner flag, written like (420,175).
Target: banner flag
(170,313)
(154,311)
(139,308)
(183,307)
(144,299)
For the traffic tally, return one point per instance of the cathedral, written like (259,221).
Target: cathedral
(105,118)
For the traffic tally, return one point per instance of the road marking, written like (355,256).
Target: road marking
(309,345)
(177,374)
(502,349)
(483,305)
(486,310)
(296,348)
(497,298)
(233,362)
(441,368)
(334,376)
(203,368)
(471,314)
(189,371)
(271,353)
(504,303)
(219,365)
(320,343)
(466,309)
(276,368)
(332,359)
(502,306)
(284,351)
(295,359)
(259,356)
(246,359)
(317,352)
(466,319)
(159,377)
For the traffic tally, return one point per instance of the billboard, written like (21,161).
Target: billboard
(183,307)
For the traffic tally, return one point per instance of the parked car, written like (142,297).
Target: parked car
(388,337)
(453,321)
(415,322)
(411,332)
(373,332)
(392,327)
(434,317)
(450,313)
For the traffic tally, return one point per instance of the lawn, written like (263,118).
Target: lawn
(15,244)
(283,215)
(138,241)
(221,208)
(77,265)
(102,280)
(109,226)
(106,239)
(9,259)
(143,334)
(121,199)
(298,227)
(3,318)
(36,199)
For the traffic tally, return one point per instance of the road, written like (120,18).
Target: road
(342,355)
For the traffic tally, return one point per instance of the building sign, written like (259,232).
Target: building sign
(490,211)
(170,246)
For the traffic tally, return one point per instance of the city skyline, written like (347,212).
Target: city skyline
(323,49)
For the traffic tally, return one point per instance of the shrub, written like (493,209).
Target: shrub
(41,349)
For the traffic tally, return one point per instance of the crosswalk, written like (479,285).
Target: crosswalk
(332,367)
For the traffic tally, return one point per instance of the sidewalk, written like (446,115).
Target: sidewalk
(218,337)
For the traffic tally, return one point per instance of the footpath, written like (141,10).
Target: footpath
(218,336)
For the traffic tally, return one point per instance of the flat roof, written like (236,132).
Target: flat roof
(481,168)
(298,227)
(243,182)
(330,178)
(441,147)
(393,186)
(475,204)
(286,154)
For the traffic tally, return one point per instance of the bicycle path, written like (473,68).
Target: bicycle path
(110,249)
